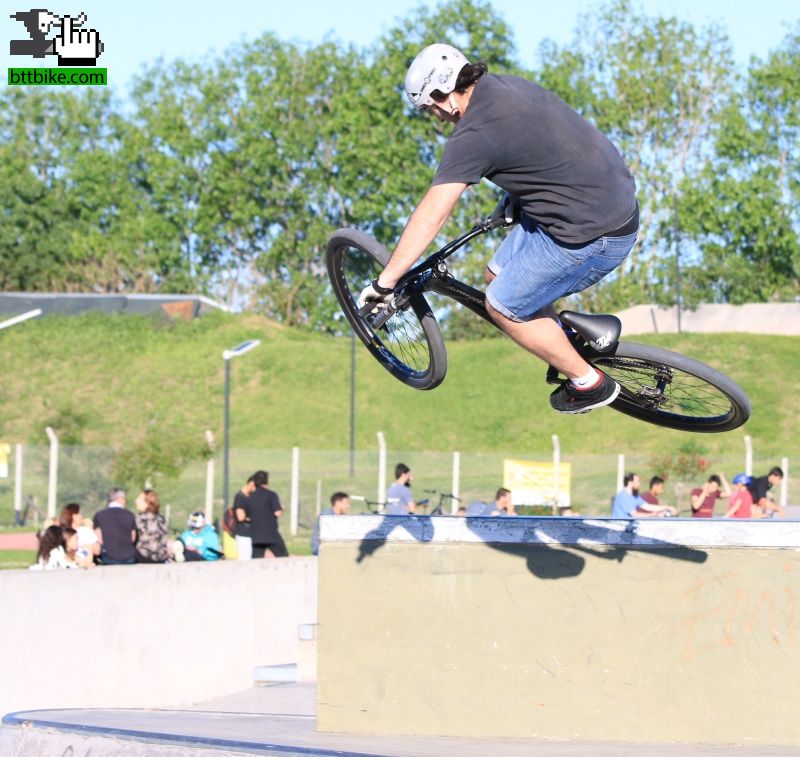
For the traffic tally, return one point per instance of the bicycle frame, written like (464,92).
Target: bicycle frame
(433,275)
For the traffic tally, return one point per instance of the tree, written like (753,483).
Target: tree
(745,210)
(655,86)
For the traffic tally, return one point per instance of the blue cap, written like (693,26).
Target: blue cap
(742,478)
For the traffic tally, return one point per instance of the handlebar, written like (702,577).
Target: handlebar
(507,213)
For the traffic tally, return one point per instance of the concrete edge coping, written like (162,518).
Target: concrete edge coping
(653,533)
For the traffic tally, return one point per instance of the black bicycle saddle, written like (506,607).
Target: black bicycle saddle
(601,331)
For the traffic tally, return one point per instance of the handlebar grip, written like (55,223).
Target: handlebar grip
(507,213)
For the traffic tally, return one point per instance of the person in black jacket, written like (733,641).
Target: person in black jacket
(262,509)
(116,530)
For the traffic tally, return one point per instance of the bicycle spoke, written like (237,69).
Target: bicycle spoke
(683,393)
(402,335)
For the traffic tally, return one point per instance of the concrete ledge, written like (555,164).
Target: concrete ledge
(652,533)
(561,628)
(139,624)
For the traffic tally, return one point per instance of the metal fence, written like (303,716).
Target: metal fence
(84,474)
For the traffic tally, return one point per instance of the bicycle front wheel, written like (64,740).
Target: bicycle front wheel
(674,391)
(409,345)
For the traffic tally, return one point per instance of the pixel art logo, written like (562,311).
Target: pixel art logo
(74,46)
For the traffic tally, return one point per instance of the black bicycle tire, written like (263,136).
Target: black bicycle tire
(437,369)
(739,402)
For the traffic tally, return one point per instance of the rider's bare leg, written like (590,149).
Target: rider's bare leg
(544,337)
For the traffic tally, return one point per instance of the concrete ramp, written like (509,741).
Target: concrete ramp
(163,733)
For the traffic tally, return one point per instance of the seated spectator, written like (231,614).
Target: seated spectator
(340,505)
(52,554)
(88,543)
(200,540)
(502,502)
(70,545)
(399,500)
(758,488)
(151,528)
(741,504)
(116,529)
(627,500)
(462,511)
(652,506)
(502,505)
(479,508)
(705,497)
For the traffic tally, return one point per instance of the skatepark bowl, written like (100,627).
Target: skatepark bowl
(420,636)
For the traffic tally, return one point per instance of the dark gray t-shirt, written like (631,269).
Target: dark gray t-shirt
(570,178)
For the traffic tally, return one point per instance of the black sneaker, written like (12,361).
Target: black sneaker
(569,399)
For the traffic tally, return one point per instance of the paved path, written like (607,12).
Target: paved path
(19,541)
(279,720)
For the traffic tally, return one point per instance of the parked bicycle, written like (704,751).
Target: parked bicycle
(657,386)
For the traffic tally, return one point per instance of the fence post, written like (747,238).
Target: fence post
(748,455)
(556,470)
(381,472)
(52,485)
(455,489)
(620,472)
(210,479)
(295,502)
(785,482)
(18,485)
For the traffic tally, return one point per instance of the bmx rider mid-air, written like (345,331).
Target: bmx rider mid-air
(579,220)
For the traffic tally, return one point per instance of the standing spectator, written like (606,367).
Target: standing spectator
(340,505)
(704,498)
(759,486)
(200,540)
(399,500)
(52,553)
(263,508)
(652,505)
(244,541)
(116,529)
(151,545)
(627,499)
(741,504)
(88,543)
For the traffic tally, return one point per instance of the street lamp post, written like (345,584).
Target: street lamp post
(227,356)
(352,404)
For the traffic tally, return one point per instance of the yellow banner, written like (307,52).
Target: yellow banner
(5,451)
(535,483)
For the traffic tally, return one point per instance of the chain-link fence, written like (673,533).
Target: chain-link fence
(86,473)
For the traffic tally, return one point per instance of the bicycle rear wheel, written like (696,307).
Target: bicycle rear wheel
(674,391)
(409,345)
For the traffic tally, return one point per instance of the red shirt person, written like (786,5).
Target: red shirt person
(705,497)
(741,505)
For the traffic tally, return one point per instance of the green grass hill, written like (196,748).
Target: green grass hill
(149,388)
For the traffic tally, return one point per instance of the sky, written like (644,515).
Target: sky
(139,32)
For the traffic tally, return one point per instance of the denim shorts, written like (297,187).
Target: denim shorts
(533,270)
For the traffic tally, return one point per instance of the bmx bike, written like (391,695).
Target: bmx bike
(656,385)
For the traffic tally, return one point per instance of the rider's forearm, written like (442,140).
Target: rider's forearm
(423,226)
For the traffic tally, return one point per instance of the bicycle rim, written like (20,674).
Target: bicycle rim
(409,345)
(671,390)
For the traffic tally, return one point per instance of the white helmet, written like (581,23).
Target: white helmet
(436,67)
